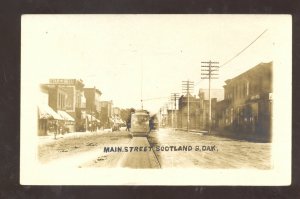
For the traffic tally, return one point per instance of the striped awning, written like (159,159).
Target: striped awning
(46,112)
(66,116)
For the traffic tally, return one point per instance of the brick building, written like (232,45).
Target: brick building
(51,111)
(57,97)
(247,105)
(198,109)
(194,112)
(93,103)
(216,94)
(93,108)
(67,95)
(172,118)
(106,113)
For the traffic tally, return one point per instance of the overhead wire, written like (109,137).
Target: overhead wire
(239,53)
(244,48)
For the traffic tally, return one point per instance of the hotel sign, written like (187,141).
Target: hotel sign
(62,81)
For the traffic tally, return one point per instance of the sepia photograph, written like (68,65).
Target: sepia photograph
(136,99)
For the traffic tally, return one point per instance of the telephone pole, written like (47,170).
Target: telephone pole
(170,107)
(187,86)
(174,96)
(210,72)
(167,115)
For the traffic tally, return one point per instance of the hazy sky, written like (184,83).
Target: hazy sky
(120,54)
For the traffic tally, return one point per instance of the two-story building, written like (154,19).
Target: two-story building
(198,109)
(106,114)
(247,104)
(93,107)
(188,112)
(216,95)
(67,96)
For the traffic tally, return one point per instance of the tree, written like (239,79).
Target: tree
(126,114)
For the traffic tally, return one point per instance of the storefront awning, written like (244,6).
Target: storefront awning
(65,116)
(46,112)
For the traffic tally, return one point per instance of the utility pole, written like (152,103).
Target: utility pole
(174,96)
(171,108)
(210,72)
(142,82)
(160,120)
(167,115)
(186,87)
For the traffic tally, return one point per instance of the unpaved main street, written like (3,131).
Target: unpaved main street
(79,147)
(87,150)
(208,151)
(166,149)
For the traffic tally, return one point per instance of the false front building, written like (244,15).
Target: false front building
(67,95)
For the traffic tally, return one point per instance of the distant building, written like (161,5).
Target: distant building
(172,118)
(204,112)
(192,108)
(93,103)
(106,113)
(247,105)
(214,93)
(116,111)
(198,110)
(93,108)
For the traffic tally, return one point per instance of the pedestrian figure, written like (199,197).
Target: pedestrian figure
(55,129)
(61,130)
(127,126)
(90,127)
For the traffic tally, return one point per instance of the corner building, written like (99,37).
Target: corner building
(247,105)
(69,96)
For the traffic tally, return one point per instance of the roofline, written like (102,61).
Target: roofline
(95,89)
(251,69)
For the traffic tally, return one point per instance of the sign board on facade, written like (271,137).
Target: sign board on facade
(62,81)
